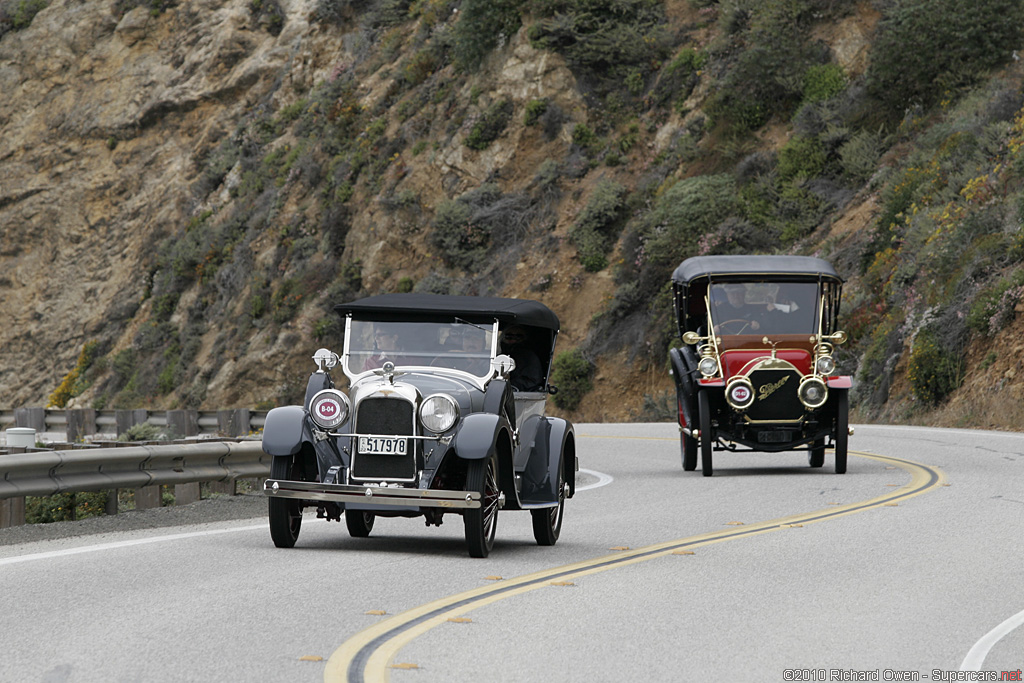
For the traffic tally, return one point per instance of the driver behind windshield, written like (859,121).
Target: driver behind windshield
(735,308)
(386,347)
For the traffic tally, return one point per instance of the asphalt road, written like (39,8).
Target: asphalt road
(768,571)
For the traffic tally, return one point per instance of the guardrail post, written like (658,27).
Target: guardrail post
(126,419)
(184,423)
(81,422)
(12,510)
(31,417)
(233,422)
(148,497)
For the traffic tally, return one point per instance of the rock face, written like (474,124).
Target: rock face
(103,121)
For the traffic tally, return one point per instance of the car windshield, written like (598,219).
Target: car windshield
(459,346)
(764,307)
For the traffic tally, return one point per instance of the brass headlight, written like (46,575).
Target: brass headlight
(708,366)
(825,365)
(812,392)
(740,393)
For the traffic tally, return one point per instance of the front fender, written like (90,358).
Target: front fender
(283,430)
(478,435)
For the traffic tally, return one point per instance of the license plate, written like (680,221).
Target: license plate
(376,445)
(773,437)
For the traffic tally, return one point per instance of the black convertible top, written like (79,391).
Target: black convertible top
(429,307)
(771,266)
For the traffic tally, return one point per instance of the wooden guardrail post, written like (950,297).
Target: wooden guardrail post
(184,423)
(126,419)
(31,417)
(80,423)
(12,510)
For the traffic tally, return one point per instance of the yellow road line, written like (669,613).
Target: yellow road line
(367,655)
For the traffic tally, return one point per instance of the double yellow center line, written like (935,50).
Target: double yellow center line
(366,656)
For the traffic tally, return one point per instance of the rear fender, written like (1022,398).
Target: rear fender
(684,364)
(554,445)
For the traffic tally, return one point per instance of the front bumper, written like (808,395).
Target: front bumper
(371,495)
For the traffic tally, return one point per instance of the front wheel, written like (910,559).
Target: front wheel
(482,522)
(547,522)
(704,409)
(842,430)
(285,513)
(359,523)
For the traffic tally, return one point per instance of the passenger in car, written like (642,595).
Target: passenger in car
(528,375)
(386,342)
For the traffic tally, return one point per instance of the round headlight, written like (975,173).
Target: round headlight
(825,365)
(329,408)
(740,394)
(813,392)
(708,366)
(438,413)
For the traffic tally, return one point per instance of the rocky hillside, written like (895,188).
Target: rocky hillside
(186,188)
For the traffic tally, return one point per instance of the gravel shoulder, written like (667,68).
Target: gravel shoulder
(215,509)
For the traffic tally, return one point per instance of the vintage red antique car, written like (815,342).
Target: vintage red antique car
(756,370)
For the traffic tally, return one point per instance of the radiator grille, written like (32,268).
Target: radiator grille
(385,416)
(775,396)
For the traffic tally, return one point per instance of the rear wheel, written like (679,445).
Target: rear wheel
(842,430)
(359,523)
(816,453)
(285,513)
(547,522)
(704,409)
(482,522)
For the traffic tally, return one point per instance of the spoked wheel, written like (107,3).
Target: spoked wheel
(842,430)
(285,513)
(359,523)
(547,522)
(704,409)
(816,453)
(482,522)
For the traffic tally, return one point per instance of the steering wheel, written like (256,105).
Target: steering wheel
(743,324)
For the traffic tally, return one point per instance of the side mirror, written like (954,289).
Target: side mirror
(691,337)
(325,359)
(503,365)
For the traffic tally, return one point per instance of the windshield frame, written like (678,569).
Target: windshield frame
(761,302)
(355,353)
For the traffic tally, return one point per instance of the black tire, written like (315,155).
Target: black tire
(481,522)
(359,523)
(704,410)
(547,522)
(842,435)
(285,513)
(689,447)
(816,453)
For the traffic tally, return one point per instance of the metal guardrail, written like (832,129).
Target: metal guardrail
(144,468)
(46,473)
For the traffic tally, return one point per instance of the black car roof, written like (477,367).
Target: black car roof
(771,266)
(479,309)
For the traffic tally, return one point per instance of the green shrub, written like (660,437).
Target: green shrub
(144,431)
(534,110)
(859,155)
(686,212)
(65,507)
(75,382)
(482,26)
(933,371)
(801,157)
(608,40)
(925,48)
(490,125)
(405,285)
(572,374)
(995,307)
(594,231)
(823,81)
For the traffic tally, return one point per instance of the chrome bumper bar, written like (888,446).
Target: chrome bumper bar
(381,495)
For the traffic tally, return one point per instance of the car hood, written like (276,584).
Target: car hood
(466,393)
